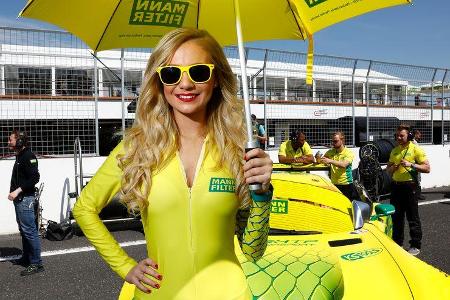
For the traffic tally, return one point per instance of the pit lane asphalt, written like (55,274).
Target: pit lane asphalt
(81,274)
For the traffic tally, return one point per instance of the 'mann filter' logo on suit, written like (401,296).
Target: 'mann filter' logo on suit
(312,3)
(158,12)
(223,185)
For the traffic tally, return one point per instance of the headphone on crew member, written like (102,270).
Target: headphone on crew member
(21,139)
(408,128)
(294,135)
(410,134)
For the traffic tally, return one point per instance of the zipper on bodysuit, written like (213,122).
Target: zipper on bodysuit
(189,191)
(197,168)
(190,217)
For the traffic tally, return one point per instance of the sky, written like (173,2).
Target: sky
(417,34)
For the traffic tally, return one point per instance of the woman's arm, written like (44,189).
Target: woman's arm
(252,225)
(252,229)
(96,195)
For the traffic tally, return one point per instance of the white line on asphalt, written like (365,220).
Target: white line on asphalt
(73,250)
(141,242)
(434,201)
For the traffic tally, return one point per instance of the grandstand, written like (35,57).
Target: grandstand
(57,89)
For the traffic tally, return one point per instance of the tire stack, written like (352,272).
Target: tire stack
(375,180)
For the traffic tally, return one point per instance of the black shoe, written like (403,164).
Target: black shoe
(32,269)
(20,262)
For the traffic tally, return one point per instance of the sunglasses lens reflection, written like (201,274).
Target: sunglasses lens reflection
(170,75)
(200,73)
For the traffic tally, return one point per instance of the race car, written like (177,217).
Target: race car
(331,248)
(324,246)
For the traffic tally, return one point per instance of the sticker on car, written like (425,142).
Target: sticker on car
(362,254)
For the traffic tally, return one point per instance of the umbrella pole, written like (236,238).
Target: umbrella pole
(251,142)
(248,120)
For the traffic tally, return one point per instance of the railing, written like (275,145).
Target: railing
(39,66)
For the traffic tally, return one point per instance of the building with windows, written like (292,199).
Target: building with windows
(58,90)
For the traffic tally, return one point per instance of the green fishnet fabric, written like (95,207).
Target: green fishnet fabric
(293,271)
(252,229)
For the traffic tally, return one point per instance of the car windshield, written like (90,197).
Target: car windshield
(274,231)
(308,204)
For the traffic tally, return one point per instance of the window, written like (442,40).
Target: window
(74,82)
(298,90)
(112,83)
(327,91)
(275,88)
(28,80)
(51,136)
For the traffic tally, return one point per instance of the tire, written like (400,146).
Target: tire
(355,174)
(384,183)
(380,150)
(369,150)
(385,147)
(114,210)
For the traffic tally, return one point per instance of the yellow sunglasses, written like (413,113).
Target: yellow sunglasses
(198,73)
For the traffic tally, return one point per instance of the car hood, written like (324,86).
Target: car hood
(326,266)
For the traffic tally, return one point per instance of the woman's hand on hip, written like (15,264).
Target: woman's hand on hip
(141,273)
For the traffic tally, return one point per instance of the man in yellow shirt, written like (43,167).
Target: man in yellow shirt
(296,149)
(405,162)
(340,159)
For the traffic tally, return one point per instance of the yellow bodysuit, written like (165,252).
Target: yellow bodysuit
(189,231)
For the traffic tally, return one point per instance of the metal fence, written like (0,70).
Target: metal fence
(365,99)
(53,87)
(46,88)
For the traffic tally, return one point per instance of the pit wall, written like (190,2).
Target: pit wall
(58,177)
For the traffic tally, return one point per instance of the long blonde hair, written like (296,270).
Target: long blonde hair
(154,137)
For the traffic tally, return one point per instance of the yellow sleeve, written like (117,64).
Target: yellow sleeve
(349,156)
(96,195)
(420,157)
(282,150)
(307,149)
(252,229)
(392,157)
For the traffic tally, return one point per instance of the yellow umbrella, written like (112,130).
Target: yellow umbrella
(109,24)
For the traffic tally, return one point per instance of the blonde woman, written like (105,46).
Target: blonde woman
(182,164)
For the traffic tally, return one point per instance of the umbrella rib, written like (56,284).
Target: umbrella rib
(107,25)
(26,7)
(198,12)
(296,21)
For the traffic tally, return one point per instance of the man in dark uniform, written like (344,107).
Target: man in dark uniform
(25,176)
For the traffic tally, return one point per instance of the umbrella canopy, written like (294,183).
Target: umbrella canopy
(109,24)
